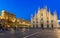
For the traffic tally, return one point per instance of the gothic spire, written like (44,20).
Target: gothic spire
(35,13)
(45,7)
(49,10)
(31,15)
(39,8)
(55,13)
(49,14)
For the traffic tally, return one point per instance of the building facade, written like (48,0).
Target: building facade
(7,19)
(44,19)
(10,20)
(8,16)
(23,23)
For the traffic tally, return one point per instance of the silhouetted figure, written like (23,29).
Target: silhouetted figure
(14,28)
(6,28)
(1,27)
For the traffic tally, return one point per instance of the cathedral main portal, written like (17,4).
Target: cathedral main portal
(42,26)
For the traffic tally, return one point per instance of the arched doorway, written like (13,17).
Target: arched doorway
(37,26)
(42,26)
(52,26)
(33,26)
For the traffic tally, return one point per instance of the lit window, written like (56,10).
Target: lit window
(51,20)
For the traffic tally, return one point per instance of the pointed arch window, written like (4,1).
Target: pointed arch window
(51,21)
(41,18)
(36,20)
(47,21)
(33,22)
(41,14)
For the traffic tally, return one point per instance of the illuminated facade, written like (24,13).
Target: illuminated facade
(10,20)
(44,18)
(7,18)
(23,23)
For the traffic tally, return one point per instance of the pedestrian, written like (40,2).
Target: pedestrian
(0,27)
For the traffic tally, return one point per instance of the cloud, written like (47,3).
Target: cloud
(58,20)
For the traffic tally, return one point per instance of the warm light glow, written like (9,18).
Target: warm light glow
(23,23)
(14,20)
(8,17)
(19,22)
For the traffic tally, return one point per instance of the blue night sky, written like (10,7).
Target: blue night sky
(24,8)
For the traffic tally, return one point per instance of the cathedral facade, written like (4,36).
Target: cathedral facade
(44,19)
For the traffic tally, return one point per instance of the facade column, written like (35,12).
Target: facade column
(35,20)
(49,19)
(39,25)
(55,20)
(38,17)
(44,16)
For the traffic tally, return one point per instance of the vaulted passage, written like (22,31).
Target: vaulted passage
(37,26)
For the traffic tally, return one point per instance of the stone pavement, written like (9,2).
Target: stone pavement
(30,33)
